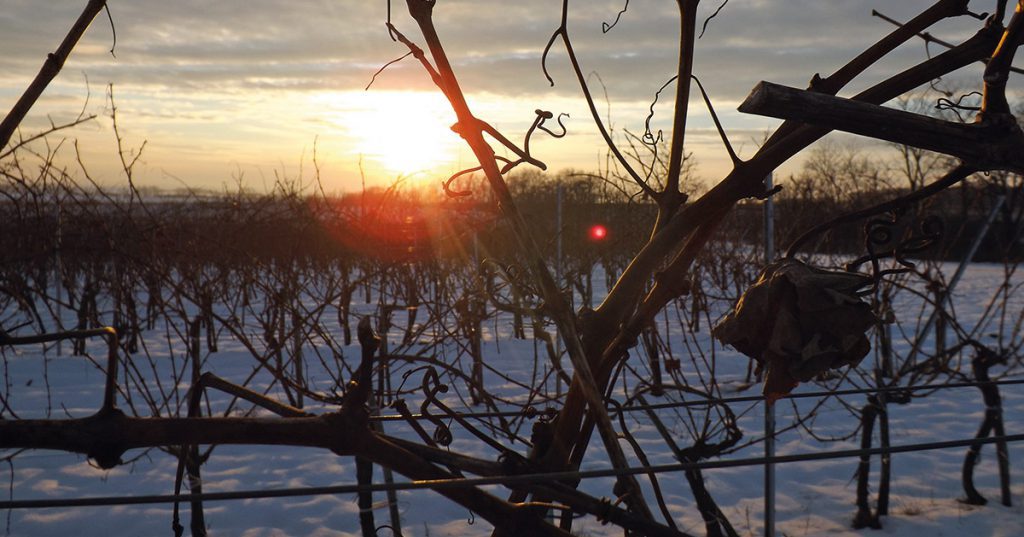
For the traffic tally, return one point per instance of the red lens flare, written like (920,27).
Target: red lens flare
(403,231)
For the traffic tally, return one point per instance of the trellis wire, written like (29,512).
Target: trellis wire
(497,480)
(730,400)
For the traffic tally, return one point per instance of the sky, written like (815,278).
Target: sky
(243,93)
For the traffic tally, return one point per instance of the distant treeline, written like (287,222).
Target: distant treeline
(957,215)
(396,226)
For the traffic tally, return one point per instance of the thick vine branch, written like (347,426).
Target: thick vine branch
(471,130)
(615,322)
(672,198)
(745,180)
(997,72)
(987,145)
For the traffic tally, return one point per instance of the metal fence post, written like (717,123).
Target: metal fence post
(58,273)
(948,292)
(559,195)
(769,231)
(769,409)
(769,469)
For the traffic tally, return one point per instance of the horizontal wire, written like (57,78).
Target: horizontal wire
(740,399)
(520,479)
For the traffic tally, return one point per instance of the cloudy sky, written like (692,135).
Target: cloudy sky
(242,90)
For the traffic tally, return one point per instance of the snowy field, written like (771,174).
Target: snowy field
(813,498)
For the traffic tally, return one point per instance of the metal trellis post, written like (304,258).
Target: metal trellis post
(559,195)
(948,291)
(769,408)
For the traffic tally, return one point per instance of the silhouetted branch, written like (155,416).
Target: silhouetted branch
(53,64)
(984,145)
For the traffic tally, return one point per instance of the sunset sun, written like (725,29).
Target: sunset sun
(405,133)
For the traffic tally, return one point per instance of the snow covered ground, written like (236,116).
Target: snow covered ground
(813,498)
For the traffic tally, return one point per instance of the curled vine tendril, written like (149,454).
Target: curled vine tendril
(606,27)
(890,236)
(708,20)
(944,103)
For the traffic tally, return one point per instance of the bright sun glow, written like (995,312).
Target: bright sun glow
(405,133)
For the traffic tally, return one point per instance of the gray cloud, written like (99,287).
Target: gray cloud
(174,49)
(319,44)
